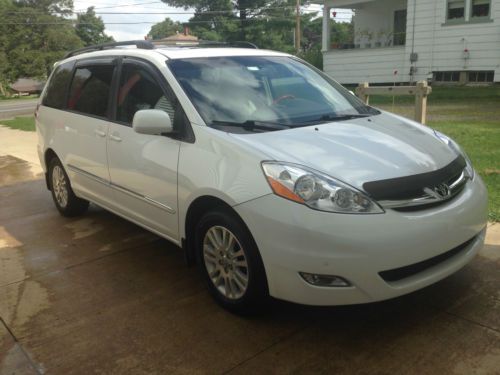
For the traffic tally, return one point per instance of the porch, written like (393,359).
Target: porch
(376,53)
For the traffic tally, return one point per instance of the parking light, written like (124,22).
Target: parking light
(324,280)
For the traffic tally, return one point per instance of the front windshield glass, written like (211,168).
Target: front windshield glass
(262,90)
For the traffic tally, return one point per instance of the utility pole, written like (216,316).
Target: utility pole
(297,27)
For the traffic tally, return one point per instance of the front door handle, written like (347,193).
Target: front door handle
(115,138)
(100,133)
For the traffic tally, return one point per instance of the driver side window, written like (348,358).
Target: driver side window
(139,90)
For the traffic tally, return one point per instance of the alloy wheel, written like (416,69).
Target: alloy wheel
(225,262)
(59,185)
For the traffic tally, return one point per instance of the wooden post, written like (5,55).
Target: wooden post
(421,101)
(362,92)
(297,27)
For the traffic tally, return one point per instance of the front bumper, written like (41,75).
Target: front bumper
(293,238)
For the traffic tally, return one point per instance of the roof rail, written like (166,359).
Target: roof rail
(141,44)
(205,43)
(238,43)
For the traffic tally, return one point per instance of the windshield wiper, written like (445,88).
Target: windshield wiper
(331,117)
(334,117)
(253,125)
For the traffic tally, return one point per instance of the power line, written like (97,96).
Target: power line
(178,12)
(129,5)
(131,23)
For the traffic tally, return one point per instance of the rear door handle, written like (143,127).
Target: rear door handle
(115,138)
(100,133)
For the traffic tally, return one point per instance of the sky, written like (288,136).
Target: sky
(144,21)
(131,31)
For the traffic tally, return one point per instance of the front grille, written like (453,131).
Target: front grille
(411,187)
(401,273)
(421,191)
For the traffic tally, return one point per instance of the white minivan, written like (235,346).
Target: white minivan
(271,176)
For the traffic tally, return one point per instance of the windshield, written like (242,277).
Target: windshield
(255,92)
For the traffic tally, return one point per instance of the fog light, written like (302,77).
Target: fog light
(324,280)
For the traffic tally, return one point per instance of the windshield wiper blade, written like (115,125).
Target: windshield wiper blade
(253,125)
(333,117)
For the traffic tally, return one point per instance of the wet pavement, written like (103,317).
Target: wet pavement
(97,294)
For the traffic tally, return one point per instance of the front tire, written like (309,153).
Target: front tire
(67,203)
(230,263)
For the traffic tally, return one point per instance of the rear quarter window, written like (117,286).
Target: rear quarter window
(57,87)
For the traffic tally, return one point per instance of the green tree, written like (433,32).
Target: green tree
(32,37)
(165,28)
(268,23)
(90,28)
(61,7)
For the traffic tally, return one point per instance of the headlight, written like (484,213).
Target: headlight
(317,190)
(458,150)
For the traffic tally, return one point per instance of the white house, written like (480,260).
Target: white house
(452,41)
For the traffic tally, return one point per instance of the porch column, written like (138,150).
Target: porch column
(325,45)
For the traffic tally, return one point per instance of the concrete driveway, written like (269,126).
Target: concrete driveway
(97,294)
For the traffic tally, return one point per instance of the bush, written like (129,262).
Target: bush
(313,56)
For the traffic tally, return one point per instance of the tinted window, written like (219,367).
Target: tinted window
(139,89)
(57,87)
(90,89)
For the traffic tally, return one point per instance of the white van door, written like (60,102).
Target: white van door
(143,168)
(84,128)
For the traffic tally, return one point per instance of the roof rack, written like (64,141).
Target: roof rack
(205,43)
(141,44)
(238,43)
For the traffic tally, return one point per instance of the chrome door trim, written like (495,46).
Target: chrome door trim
(122,189)
(89,175)
(142,197)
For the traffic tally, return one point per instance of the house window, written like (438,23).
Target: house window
(399,27)
(480,8)
(446,76)
(456,10)
(480,77)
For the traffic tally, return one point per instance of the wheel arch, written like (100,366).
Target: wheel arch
(47,157)
(195,212)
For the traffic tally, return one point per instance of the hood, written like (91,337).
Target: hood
(357,151)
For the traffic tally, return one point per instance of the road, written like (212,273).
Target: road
(12,108)
(98,294)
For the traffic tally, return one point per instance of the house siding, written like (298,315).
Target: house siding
(440,47)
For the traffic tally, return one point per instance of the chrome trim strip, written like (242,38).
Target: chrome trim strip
(122,189)
(89,175)
(426,198)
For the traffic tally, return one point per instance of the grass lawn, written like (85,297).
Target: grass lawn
(24,97)
(20,123)
(471,116)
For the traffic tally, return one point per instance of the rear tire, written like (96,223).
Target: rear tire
(230,263)
(67,203)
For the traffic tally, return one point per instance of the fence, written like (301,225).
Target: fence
(421,91)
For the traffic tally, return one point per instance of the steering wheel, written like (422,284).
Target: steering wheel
(283,97)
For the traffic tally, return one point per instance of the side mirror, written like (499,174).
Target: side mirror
(152,122)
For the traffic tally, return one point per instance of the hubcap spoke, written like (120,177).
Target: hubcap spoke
(225,262)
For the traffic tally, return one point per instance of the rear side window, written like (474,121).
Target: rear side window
(57,87)
(90,89)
